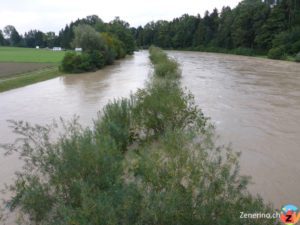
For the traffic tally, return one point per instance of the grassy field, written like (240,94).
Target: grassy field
(23,66)
(28,78)
(11,54)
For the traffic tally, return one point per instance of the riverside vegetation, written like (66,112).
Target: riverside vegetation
(148,159)
(99,49)
(253,27)
(102,43)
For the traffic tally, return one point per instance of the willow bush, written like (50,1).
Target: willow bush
(149,159)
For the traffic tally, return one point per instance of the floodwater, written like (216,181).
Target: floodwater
(255,104)
(80,94)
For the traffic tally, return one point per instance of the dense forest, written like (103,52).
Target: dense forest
(253,27)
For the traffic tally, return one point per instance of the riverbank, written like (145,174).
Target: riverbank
(241,51)
(21,80)
(237,51)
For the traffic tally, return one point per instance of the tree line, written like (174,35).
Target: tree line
(11,37)
(118,28)
(101,43)
(253,27)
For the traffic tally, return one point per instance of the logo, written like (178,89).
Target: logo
(290,214)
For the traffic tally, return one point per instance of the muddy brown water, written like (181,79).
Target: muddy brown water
(255,104)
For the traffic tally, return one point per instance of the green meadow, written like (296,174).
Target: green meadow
(29,78)
(14,54)
(24,66)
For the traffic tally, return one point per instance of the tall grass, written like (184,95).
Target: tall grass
(149,159)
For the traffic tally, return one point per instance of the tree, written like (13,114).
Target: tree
(2,40)
(184,29)
(199,35)
(66,36)
(139,36)
(12,35)
(224,37)
(34,38)
(274,24)
(121,29)
(87,38)
(249,15)
(114,44)
(50,39)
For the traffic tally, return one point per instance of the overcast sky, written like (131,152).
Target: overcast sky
(52,15)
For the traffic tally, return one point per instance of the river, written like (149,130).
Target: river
(255,104)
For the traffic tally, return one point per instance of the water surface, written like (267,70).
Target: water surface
(255,104)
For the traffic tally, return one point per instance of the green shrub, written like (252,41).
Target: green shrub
(297,58)
(163,66)
(164,106)
(83,178)
(110,56)
(276,53)
(85,63)
(167,68)
(295,48)
(244,51)
(156,55)
(77,63)
(288,39)
(116,122)
(114,45)
(97,59)
(185,182)
(70,62)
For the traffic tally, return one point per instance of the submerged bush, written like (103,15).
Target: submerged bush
(289,40)
(156,55)
(168,68)
(70,62)
(77,63)
(149,159)
(165,106)
(116,121)
(243,51)
(163,66)
(276,53)
(297,58)
(97,59)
